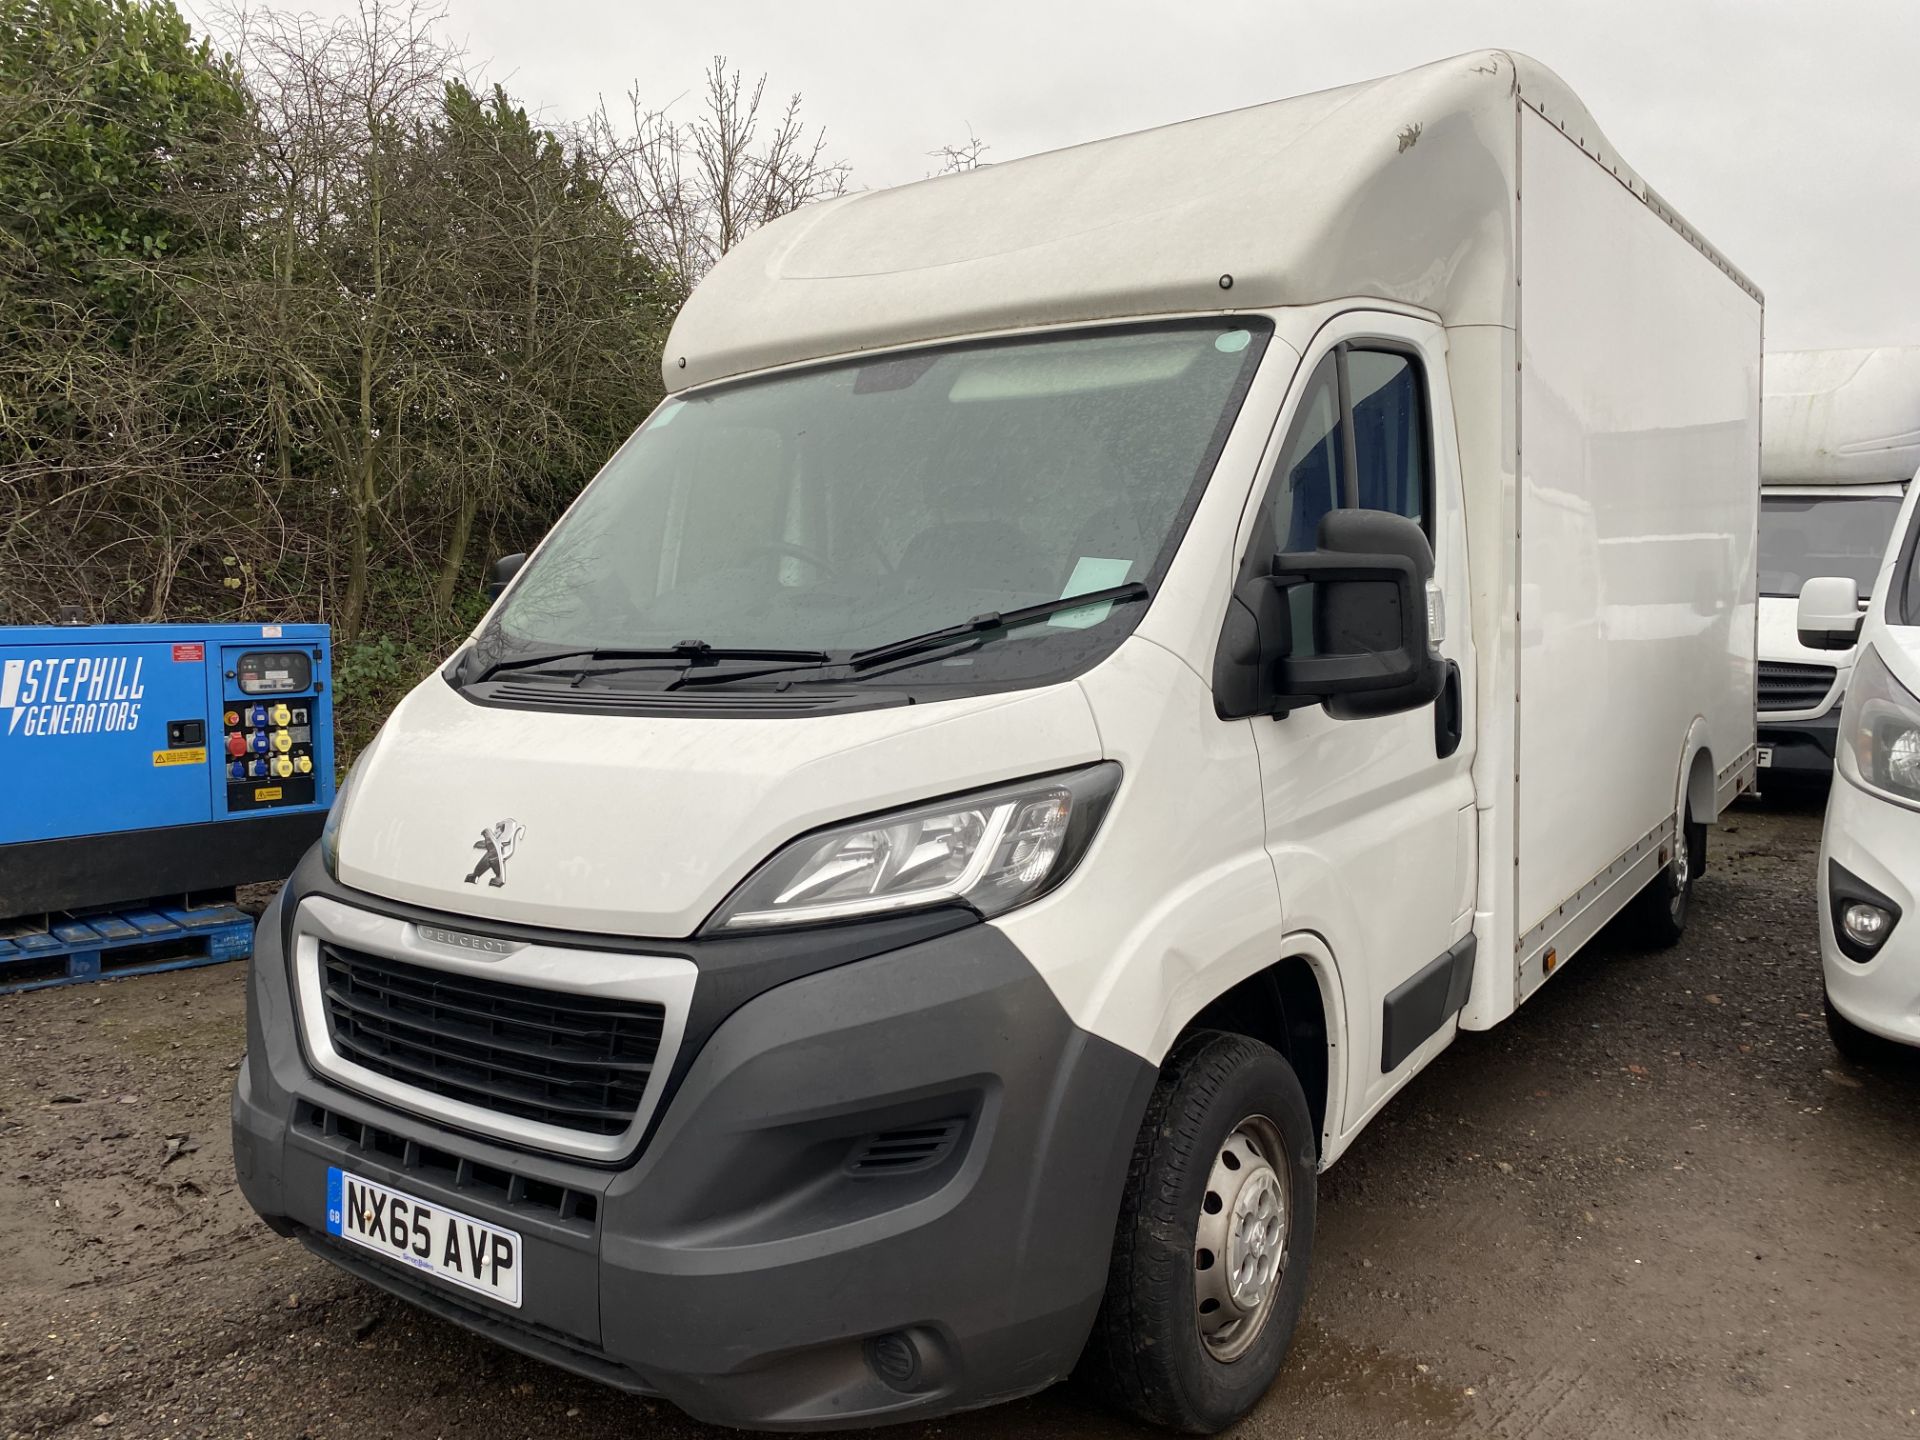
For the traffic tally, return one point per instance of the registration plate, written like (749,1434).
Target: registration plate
(1763,757)
(444,1243)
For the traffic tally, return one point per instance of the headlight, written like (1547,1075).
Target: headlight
(993,850)
(1880,731)
(330,831)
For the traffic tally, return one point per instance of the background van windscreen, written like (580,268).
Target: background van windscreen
(1806,536)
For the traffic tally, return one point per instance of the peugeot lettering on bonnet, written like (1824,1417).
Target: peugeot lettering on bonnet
(1098,669)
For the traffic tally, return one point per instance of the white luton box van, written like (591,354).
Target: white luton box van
(1098,668)
(1839,442)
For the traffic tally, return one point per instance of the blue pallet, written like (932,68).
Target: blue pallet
(131,942)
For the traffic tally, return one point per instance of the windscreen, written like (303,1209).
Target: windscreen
(1803,537)
(844,507)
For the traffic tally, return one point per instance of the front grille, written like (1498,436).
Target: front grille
(1786,686)
(471,1177)
(578,1062)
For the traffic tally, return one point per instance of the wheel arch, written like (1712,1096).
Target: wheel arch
(1697,793)
(1297,1006)
(1697,776)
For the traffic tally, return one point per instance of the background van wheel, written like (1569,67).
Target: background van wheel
(1216,1230)
(1660,910)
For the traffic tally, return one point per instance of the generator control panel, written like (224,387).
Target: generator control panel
(143,760)
(267,731)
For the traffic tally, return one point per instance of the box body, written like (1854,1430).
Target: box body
(1610,447)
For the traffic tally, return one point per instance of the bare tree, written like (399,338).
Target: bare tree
(694,189)
(968,155)
(339,104)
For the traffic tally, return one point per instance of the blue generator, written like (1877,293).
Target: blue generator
(145,761)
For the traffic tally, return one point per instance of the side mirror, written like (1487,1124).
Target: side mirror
(1372,634)
(1829,616)
(504,569)
(1372,631)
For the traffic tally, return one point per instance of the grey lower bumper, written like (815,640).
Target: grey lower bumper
(1801,748)
(748,1266)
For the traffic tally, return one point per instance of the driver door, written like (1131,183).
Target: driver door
(1370,821)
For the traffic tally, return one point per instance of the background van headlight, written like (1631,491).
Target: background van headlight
(991,849)
(1880,731)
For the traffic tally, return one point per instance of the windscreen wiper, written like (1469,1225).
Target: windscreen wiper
(994,620)
(781,662)
(693,652)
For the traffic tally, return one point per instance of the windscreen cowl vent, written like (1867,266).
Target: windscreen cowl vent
(907,1150)
(567,697)
(708,702)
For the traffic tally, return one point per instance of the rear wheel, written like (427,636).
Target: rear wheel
(1216,1228)
(1660,910)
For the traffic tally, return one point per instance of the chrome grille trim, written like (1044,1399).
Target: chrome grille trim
(663,980)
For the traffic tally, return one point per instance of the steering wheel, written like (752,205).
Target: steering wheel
(797,552)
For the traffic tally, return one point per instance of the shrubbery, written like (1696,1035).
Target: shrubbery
(311,326)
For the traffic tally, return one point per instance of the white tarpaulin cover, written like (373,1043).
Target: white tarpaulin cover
(1840,417)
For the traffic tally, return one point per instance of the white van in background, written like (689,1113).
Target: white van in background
(1840,440)
(1099,668)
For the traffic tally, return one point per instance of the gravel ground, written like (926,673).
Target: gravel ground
(1655,1202)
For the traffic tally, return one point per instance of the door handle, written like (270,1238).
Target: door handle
(1447,711)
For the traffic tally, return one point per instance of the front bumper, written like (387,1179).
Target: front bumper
(742,1266)
(1879,842)
(1802,749)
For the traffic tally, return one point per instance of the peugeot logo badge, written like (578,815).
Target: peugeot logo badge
(496,846)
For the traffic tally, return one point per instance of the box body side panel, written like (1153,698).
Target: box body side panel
(1639,495)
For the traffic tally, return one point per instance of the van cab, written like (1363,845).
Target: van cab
(1099,667)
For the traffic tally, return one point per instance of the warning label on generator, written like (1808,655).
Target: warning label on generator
(180,757)
(71,695)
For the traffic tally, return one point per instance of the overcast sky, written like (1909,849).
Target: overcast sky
(1783,129)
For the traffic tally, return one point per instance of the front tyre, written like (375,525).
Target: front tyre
(1211,1253)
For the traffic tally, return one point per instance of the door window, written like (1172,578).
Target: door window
(1307,484)
(1359,440)
(1389,433)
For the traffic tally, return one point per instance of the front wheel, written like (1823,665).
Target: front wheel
(1216,1230)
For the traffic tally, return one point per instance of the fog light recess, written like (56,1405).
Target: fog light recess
(1862,916)
(895,1359)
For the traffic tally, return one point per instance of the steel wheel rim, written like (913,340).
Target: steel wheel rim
(1682,869)
(1240,1244)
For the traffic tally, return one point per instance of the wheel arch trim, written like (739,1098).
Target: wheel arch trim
(1312,949)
